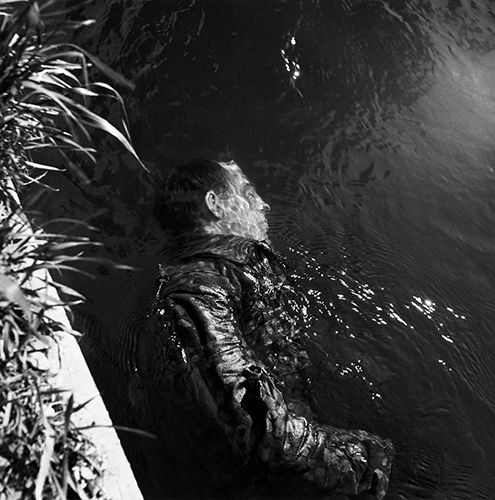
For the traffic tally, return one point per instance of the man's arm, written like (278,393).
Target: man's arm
(336,460)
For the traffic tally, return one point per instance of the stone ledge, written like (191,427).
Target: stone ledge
(74,376)
(70,373)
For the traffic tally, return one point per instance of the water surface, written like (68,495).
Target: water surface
(369,127)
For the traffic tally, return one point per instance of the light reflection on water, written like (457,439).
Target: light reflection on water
(391,344)
(370,127)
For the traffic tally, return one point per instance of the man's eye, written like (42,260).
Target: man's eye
(250,193)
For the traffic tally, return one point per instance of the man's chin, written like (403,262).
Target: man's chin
(264,237)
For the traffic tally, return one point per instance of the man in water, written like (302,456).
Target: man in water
(220,371)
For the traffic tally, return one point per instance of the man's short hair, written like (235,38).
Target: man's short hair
(180,207)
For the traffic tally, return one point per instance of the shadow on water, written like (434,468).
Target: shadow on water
(368,126)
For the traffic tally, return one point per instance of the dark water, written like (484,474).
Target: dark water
(369,127)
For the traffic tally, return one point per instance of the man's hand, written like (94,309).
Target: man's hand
(380,457)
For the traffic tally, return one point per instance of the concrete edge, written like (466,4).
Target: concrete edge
(70,373)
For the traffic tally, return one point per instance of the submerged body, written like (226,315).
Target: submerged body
(222,365)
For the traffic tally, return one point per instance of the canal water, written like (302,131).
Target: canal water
(369,127)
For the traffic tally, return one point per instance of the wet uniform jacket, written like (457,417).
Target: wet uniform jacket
(221,359)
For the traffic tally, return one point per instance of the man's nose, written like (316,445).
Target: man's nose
(264,207)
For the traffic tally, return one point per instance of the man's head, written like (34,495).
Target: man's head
(210,197)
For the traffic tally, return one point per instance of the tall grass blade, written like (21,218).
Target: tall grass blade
(44,466)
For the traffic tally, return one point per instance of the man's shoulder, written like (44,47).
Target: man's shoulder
(216,262)
(196,274)
(187,270)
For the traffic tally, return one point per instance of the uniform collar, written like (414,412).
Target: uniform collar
(230,247)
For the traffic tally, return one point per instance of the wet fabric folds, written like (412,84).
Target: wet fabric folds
(220,348)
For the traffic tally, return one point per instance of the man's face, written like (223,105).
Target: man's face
(244,210)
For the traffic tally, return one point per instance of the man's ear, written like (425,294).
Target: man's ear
(214,204)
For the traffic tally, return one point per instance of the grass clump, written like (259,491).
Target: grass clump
(46,122)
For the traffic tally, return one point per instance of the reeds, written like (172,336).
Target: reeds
(45,105)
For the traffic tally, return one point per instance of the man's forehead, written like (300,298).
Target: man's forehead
(235,171)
